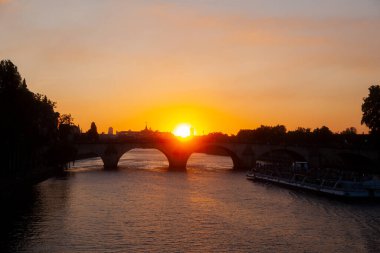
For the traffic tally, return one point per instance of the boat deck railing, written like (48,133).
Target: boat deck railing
(321,178)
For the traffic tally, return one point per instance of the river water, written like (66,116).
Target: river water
(141,207)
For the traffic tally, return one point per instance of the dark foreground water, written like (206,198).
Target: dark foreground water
(143,208)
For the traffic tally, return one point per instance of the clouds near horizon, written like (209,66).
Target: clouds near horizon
(271,66)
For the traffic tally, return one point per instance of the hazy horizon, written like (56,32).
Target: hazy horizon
(217,65)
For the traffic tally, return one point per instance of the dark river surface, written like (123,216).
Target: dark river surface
(142,207)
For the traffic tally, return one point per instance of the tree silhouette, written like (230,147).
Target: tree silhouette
(349,131)
(68,132)
(10,78)
(66,119)
(371,110)
(28,122)
(300,136)
(323,136)
(263,134)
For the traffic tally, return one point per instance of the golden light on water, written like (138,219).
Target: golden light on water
(182,130)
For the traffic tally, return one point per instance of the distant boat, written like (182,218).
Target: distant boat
(333,182)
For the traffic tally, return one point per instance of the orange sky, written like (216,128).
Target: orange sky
(219,67)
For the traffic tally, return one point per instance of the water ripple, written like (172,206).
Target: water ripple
(144,208)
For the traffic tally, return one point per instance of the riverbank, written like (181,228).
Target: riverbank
(11,186)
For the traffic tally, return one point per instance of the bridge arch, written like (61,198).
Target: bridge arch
(355,162)
(115,154)
(153,156)
(284,156)
(106,153)
(215,149)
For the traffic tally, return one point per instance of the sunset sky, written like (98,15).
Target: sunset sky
(219,65)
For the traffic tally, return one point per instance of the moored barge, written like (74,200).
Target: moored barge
(333,182)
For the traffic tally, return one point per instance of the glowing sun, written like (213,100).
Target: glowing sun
(182,130)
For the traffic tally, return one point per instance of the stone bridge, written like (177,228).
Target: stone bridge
(243,155)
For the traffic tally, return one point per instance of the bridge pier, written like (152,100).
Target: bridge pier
(110,161)
(178,161)
(246,162)
(177,165)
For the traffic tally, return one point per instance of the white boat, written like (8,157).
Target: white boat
(327,181)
